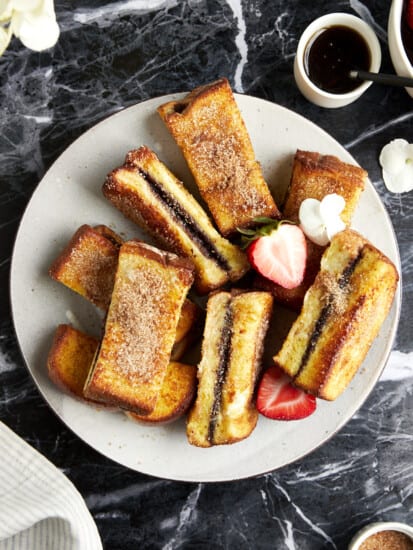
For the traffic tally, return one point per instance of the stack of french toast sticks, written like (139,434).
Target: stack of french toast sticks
(149,294)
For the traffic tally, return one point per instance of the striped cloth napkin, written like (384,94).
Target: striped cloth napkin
(40,509)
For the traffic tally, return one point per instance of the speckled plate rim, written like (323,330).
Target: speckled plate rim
(69,195)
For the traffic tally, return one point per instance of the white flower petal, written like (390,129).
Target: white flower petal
(25,5)
(309,213)
(403,182)
(319,236)
(393,156)
(320,221)
(331,206)
(409,151)
(5,35)
(311,221)
(6,10)
(47,8)
(396,159)
(37,32)
(334,227)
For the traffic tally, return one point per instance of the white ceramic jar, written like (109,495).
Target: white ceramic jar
(398,55)
(312,92)
(373,528)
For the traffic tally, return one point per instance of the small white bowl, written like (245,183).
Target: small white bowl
(374,528)
(398,55)
(307,87)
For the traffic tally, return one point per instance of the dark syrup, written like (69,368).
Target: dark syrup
(331,54)
(407,35)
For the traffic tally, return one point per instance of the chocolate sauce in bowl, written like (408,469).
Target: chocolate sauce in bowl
(331,54)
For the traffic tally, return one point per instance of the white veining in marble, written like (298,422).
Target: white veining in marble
(98,501)
(103,15)
(378,128)
(187,515)
(6,363)
(236,7)
(399,366)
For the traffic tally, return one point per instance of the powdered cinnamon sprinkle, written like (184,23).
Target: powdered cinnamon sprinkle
(222,154)
(387,540)
(142,319)
(94,270)
(335,295)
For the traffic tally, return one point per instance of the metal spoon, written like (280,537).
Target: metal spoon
(389,79)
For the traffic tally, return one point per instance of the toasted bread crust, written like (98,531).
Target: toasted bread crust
(315,176)
(150,288)
(87,265)
(208,127)
(342,314)
(176,395)
(224,411)
(150,195)
(70,359)
(91,258)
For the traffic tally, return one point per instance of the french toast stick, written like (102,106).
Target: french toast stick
(315,176)
(131,363)
(341,316)
(70,359)
(224,411)
(151,196)
(208,127)
(87,265)
(176,395)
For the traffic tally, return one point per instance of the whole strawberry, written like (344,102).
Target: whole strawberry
(277,250)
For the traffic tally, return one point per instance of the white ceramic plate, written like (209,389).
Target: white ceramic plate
(70,195)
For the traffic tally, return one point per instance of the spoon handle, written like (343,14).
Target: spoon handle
(389,79)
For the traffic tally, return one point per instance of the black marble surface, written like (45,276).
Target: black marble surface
(114,54)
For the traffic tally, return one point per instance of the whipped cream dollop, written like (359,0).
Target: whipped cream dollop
(396,159)
(32,21)
(320,220)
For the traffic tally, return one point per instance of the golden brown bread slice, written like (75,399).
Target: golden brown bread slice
(87,265)
(176,395)
(341,316)
(131,363)
(70,359)
(315,176)
(224,411)
(151,196)
(208,127)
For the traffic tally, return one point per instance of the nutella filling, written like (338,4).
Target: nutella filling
(327,310)
(224,351)
(186,222)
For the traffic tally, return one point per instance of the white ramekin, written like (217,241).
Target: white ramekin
(307,87)
(374,528)
(398,55)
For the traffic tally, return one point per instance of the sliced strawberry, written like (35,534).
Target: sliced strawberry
(278,399)
(278,251)
(409,13)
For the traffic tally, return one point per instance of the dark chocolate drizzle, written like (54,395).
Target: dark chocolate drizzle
(328,309)
(186,222)
(224,348)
